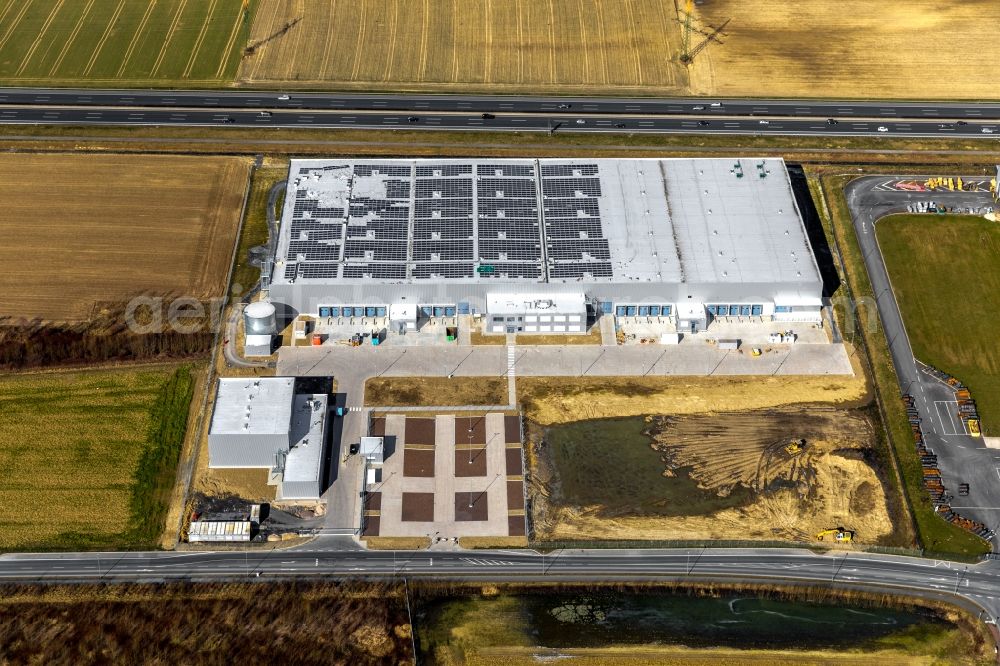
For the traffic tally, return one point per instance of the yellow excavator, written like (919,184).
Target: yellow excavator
(840,535)
(795,447)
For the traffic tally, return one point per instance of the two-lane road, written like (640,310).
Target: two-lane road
(976,586)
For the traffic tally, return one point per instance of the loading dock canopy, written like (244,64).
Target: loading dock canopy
(503,304)
(798,301)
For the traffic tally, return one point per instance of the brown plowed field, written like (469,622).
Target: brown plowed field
(811,48)
(83,229)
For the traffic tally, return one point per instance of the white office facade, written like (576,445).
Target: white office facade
(544,246)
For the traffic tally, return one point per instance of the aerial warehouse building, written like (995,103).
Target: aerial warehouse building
(264,423)
(544,246)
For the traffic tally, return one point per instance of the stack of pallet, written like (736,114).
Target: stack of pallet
(932,476)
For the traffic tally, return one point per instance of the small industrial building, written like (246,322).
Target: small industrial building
(543,246)
(264,423)
(210,531)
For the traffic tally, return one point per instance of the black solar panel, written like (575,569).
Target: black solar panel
(509,250)
(375,250)
(515,170)
(443,250)
(444,170)
(375,271)
(443,270)
(396,170)
(549,170)
(582,250)
(581,270)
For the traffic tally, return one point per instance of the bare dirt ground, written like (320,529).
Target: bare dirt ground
(810,48)
(83,229)
(830,484)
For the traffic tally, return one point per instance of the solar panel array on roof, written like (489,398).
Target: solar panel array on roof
(628,221)
(575,242)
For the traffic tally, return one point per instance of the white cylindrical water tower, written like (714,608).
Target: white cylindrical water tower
(259,319)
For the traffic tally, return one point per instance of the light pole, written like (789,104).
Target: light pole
(473,501)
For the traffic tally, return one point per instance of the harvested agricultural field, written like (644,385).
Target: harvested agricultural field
(711,476)
(120,42)
(486,45)
(86,229)
(89,456)
(950,264)
(849,49)
(812,48)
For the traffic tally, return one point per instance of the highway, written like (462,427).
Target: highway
(242,99)
(330,110)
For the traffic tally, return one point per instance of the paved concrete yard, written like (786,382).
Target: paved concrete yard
(569,360)
(430,488)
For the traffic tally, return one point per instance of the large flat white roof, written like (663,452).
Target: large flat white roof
(253,406)
(304,458)
(542,221)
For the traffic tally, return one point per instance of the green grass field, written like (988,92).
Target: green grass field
(945,271)
(124,42)
(89,456)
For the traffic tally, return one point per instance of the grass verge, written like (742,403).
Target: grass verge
(398,543)
(950,264)
(934,534)
(255,232)
(432,391)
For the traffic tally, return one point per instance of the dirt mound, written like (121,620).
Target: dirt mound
(748,448)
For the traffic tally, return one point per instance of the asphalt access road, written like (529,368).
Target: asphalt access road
(419,120)
(237,99)
(961,458)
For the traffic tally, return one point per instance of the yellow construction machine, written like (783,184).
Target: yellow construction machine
(840,535)
(795,447)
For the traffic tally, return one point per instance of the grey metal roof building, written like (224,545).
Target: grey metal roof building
(261,422)
(623,232)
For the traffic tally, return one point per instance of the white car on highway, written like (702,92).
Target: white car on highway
(987,130)
(883,128)
(283,98)
(763,122)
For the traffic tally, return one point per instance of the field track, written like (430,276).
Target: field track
(83,229)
